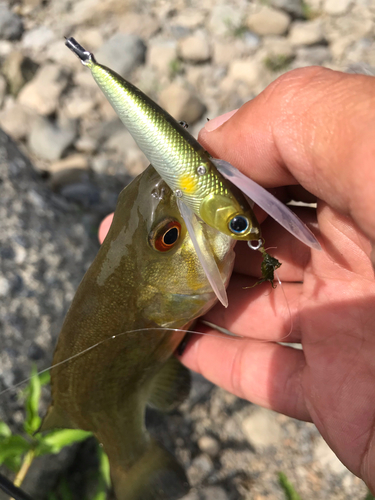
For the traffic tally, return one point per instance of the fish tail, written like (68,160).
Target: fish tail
(156,475)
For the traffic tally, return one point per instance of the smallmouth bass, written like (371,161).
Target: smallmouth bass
(146,275)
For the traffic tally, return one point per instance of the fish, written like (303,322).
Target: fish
(205,187)
(145,280)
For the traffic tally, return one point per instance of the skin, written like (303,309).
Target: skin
(309,135)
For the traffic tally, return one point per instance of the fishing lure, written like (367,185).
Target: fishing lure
(205,187)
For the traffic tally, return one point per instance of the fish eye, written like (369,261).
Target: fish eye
(239,224)
(165,235)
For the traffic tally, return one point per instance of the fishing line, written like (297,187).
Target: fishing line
(229,335)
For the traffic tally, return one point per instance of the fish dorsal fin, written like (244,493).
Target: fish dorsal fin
(277,210)
(204,254)
(170,386)
(55,418)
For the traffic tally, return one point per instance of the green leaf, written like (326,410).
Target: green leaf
(290,492)
(45,377)
(5,431)
(12,447)
(104,466)
(54,441)
(33,390)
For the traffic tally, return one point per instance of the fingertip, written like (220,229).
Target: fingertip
(104,227)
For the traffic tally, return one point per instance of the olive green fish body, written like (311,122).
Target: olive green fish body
(146,277)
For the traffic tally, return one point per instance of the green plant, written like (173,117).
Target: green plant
(175,67)
(18,452)
(290,492)
(277,62)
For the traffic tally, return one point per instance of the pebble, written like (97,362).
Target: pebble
(85,144)
(122,53)
(161,55)
(262,429)
(224,19)
(245,70)
(48,140)
(327,458)
(38,38)
(317,55)
(11,25)
(3,87)
(209,445)
(268,21)
(200,468)
(18,70)
(181,103)
(214,493)
(294,7)
(142,25)
(75,161)
(336,7)
(189,18)
(306,32)
(16,120)
(43,91)
(194,48)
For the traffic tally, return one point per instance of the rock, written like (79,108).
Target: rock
(294,7)
(336,7)
(224,20)
(245,70)
(200,468)
(306,32)
(32,4)
(62,178)
(141,25)
(78,103)
(11,25)
(319,55)
(3,87)
(90,38)
(268,21)
(327,458)
(181,103)
(262,429)
(75,161)
(122,53)
(49,140)
(38,38)
(161,54)
(18,70)
(189,18)
(16,120)
(214,493)
(209,445)
(85,144)
(194,48)
(43,91)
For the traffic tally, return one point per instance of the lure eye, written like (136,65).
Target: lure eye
(165,235)
(239,224)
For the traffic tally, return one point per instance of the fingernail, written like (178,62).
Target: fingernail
(219,120)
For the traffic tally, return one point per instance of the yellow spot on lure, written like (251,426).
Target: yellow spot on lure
(205,187)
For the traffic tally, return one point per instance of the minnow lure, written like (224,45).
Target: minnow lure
(205,187)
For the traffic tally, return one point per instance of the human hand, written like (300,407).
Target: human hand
(313,128)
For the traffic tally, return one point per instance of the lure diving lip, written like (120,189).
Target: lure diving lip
(211,189)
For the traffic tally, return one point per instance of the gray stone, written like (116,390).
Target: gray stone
(16,120)
(18,70)
(11,25)
(43,91)
(336,7)
(245,70)
(3,87)
(189,18)
(181,103)
(294,7)
(214,493)
(262,428)
(122,53)
(161,54)
(268,21)
(209,445)
(38,38)
(141,25)
(194,48)
(48,140)
(200,468)
(318,55)
(306,32)
(327,458)
(224,19)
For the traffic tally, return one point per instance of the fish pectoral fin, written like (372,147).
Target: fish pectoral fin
(55,418)
(170,386)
